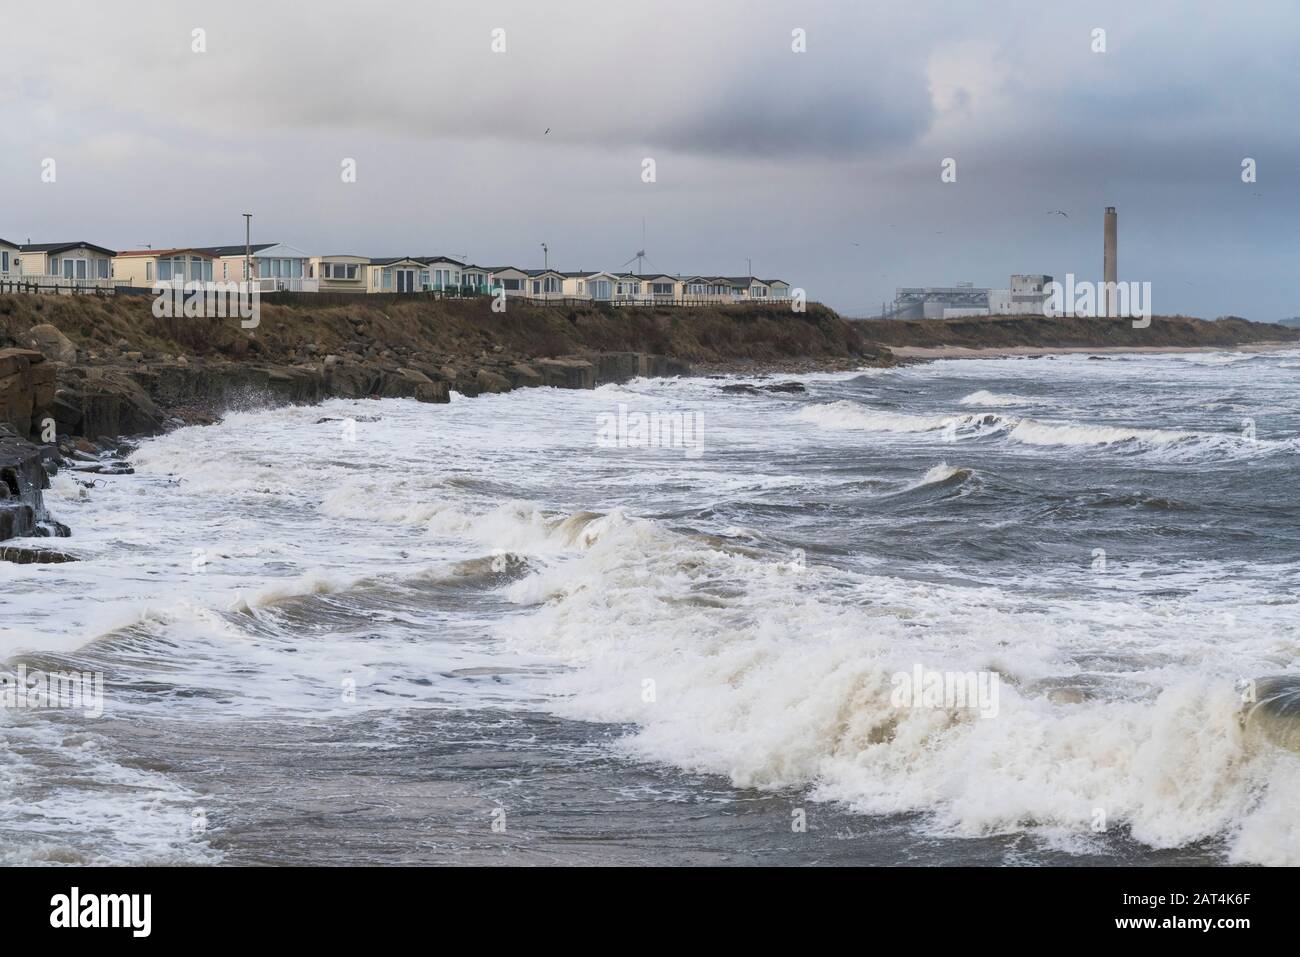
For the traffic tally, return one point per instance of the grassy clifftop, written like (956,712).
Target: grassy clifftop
(442,330)
(977,332)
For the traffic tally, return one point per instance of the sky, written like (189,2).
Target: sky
(820,167)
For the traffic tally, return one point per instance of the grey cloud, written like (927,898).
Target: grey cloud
(786,158)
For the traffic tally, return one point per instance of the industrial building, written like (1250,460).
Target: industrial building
(1028,294)
(936,302)
(1025,297)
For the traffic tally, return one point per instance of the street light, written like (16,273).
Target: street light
(248,247)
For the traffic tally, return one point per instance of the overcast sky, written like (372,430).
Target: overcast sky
(823,167)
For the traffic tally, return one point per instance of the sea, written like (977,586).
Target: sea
(1017,611)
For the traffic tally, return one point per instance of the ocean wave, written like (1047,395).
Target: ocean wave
(1032,432)
(997,399)
(1178,443)
(942,474)
(846,415)
(741,667)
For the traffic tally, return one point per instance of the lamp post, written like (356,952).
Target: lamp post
(546,267)
(248,247)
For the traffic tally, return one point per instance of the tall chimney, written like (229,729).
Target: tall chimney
(1109,268)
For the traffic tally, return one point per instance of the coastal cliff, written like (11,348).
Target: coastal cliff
(81,372)
(116,369)
(22,478)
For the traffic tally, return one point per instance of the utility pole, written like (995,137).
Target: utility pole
(248,247)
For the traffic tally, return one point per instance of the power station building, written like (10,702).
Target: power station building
(1026,296)
(939,302)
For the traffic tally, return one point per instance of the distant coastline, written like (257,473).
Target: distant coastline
(1009,352)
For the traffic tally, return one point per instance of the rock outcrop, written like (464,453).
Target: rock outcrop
(27,387)
(51,343)
(84,374)
(22,477)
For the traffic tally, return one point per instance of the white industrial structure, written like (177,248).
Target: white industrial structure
(1027,296)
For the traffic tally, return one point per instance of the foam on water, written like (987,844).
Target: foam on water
(997,399)
(758,677)
(249,568)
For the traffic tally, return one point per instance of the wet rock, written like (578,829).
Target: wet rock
(746,388)
(567,373)
(33,556)
(102,468)
(413,384)
(22,477)
(105,403)
(491,382)
(522,375)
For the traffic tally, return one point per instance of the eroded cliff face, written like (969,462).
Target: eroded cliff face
(104,368)
(82,372)
(27,387)
(22,477)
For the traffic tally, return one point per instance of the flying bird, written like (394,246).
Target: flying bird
(548,129)
(1058,212)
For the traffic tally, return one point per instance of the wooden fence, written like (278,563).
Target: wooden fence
(34,286)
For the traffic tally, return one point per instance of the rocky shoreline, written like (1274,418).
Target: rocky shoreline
(83,416)
(80,376)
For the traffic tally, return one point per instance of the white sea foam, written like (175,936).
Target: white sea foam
(755,678)
(1031,432)
(845,415)
(850,416)
(940,473)
(997,399)
(771,672)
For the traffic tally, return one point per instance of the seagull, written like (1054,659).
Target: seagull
(857,244)
(548,129)
(1058,212)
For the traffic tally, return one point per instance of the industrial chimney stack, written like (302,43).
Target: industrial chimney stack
(1109,267)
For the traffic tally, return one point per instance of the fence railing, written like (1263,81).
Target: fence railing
(311,287)
(57,285)
(287,284)
(644,302)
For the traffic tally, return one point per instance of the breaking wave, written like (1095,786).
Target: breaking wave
(759,680)
(997,399)
(850,416)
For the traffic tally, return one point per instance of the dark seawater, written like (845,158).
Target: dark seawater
(324,651)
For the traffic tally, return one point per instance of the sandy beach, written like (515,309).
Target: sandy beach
(1003,352)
